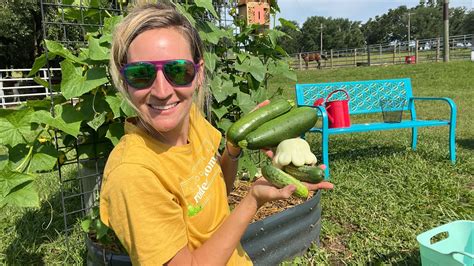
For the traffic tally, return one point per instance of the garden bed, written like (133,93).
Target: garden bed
(242,187)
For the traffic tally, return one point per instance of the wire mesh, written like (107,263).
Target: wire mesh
(82,159)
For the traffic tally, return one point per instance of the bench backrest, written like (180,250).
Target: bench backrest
(364,95)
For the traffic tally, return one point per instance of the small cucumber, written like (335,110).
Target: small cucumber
(306,173)
(252,120)
(289,125)
(281,179)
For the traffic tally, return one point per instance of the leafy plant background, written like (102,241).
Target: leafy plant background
(239,61)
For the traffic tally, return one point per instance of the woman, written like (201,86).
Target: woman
(165,187)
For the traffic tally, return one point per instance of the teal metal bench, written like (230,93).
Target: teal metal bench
(365,98)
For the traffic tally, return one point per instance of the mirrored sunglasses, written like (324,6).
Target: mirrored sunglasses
(141,75)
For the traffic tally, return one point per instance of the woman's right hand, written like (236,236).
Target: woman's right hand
(263,191)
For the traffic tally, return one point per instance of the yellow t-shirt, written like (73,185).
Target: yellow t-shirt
(159,198)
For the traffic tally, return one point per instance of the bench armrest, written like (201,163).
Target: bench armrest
(450,102)
(324,117)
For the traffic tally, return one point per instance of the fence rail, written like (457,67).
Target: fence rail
(16,87)
(417,51)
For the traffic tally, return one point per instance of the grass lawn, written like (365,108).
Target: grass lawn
(385,194)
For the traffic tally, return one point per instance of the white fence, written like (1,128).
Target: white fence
(16,87)
(417,51)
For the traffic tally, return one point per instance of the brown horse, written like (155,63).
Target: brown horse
(308,57)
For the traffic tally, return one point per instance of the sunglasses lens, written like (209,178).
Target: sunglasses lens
(140,75)
(179,72)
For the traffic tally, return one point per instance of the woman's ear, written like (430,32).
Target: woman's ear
(201,73)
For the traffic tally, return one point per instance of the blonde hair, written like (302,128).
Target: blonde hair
(143,17)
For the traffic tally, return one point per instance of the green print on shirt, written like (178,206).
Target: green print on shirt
(194,209)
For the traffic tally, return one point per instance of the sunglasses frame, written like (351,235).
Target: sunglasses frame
(159,64)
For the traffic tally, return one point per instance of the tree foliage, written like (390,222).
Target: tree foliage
(20,33)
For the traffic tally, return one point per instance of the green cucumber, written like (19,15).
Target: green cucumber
(289,125)
(306,173)
(252,120)
(281,179)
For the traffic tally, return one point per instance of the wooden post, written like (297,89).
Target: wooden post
(355,56)
(438,41)
(416,51)
(332,55)
(300,61)
(394,52)
(368,55)
(380,54)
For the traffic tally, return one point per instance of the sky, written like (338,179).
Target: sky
(355,10)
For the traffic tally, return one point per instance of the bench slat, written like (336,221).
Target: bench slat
(383,126)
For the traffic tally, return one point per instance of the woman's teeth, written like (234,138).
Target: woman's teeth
(163,107)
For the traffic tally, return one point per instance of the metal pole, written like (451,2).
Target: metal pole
(321,41)
(446,30)
(409,15)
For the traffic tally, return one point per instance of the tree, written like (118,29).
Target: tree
(20,33)
(468,23)
(426,22)
(337,33)
(291,42)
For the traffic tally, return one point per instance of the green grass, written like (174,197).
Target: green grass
(385,193)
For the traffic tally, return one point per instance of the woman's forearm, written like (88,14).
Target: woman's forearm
(229,165)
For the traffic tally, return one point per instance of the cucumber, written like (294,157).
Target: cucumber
(306,173)
(281,179)
(289,125)
(252,120)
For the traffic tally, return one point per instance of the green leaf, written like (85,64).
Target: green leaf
(210,60)
(259,95)
(185,13)
(281,68)
(58,49)
(220,112)
(115,132)
(221,89)
(66,119)
(127,109)
(100,228)
(4,157)
(43,159)
(224,124)
(289,24)
(99,120)
(15,127)
(85,225)
(114,104)
(209,32)
(24,195)
(274,35)
(40,61)
(258,69)
(110,23)
(17,154)
(244,101)
(96,51)
(10,179)
(74,84)
(248,165)
(254,66)
(207,4)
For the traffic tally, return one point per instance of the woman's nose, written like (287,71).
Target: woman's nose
(161,88)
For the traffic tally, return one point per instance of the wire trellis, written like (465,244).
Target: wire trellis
(68,22)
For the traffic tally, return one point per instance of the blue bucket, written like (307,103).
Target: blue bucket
(456,249)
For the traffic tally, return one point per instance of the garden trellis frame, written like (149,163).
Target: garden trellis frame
(80,177)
